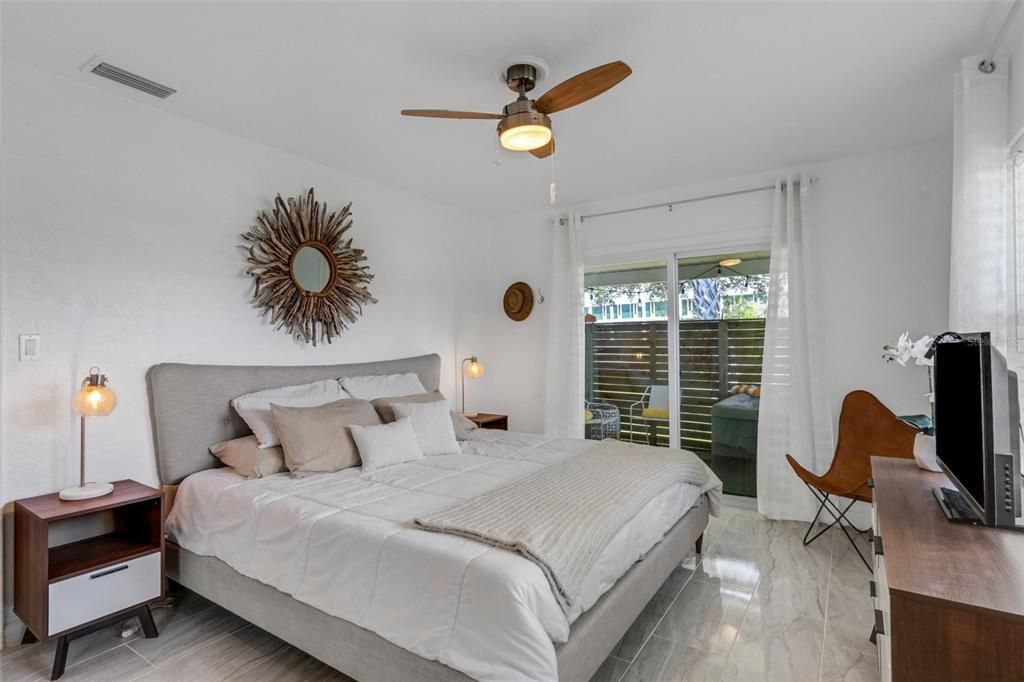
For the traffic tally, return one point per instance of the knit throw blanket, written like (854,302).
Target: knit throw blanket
(562,517)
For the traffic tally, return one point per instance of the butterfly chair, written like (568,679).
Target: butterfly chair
(866,428)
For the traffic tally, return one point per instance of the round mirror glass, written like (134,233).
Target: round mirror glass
(311,269)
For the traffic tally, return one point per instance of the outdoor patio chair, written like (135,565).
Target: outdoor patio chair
(602,421)
(652,408)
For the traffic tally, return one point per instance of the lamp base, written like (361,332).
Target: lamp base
(469,415)
(87,491)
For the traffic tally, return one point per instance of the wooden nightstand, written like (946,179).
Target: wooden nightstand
(82,565)
(483,420)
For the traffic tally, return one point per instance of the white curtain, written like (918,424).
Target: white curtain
(980,236)
(795,415)
(563,408)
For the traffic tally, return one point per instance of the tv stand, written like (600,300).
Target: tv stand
(949,597)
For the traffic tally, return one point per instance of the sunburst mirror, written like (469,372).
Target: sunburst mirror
(308,278)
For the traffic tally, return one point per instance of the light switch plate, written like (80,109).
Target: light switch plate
(28,346)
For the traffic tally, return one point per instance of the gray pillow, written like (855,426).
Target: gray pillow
(317,439)
(384,408)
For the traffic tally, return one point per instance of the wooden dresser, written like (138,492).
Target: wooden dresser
(949,597)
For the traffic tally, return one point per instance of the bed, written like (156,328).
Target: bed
(369,594)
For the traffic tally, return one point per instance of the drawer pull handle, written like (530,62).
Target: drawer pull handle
(872,588)
(115,569)
(877,542)
(879,622)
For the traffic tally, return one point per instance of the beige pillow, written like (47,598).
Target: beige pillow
(384,408)
(463,426)
(318,438)
(387,413)
(247,458)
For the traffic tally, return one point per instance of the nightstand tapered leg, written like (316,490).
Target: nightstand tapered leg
(148,626)
(60,657)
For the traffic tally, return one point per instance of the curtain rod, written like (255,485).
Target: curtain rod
(670,204)
(988,64)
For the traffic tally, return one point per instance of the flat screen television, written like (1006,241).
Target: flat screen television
(977,431)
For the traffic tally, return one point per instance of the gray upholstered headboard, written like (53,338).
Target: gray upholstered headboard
(190,404)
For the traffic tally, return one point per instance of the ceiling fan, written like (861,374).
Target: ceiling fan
(524,125)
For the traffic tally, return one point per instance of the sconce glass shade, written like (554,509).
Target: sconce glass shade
(95,398)
(475,369)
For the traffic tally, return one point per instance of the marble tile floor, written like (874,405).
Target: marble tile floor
(757,605)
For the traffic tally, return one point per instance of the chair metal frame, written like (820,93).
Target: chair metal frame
(645,402)
(838,516)
(607,419)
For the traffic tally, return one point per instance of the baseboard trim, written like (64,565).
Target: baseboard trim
(739,502)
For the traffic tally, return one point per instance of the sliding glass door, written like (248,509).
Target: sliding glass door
(722,303)
(681,369)
(627,358)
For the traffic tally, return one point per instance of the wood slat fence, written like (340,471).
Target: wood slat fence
(624,358)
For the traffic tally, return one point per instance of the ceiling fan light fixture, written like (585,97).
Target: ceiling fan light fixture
(525,137)
(524,125)
(525,130)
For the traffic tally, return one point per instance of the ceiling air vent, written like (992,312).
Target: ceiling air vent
(128,78)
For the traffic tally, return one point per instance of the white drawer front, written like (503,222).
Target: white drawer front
(881,583)
(104,591)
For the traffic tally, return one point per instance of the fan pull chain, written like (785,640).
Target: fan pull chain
(497,156)
(553,189)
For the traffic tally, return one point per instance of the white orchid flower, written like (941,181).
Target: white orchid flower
(919,349)
(901,352)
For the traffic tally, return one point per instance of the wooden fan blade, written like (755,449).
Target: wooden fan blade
(583,86)
(545,151)
(445,113)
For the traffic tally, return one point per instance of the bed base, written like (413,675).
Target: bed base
(368,657)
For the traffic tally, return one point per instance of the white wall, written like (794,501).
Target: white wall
(884,265)
(122,250)
(516,248)
(881,225)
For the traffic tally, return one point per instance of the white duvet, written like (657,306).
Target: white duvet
(344,543)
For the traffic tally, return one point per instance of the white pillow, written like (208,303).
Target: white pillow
(386,444)
(254,408)
(432,423)
(382,385)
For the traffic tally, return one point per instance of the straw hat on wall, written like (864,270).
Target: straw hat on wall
(518,301)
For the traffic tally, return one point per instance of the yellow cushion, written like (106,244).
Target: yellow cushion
(587,415)
(655,412)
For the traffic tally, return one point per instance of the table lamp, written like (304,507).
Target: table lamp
(474,370)
(94,399)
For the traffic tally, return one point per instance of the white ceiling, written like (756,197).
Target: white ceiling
(718,88)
